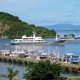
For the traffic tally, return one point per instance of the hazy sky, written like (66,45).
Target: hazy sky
(43,12)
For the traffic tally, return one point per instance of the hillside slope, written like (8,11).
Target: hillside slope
(12,26)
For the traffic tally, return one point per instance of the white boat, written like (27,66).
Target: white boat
(59,40)
(28,40)
(67,38)
(63,39)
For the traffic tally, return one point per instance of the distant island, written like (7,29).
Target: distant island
(11,27)
(63,27)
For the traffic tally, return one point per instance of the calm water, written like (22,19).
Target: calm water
(69,47)
(3,70)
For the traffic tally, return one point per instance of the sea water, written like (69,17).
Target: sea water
(68,47)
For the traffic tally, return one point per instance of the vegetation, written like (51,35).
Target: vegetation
(12,26)
(11,73)
(69,35)
(44,70)
(73,78)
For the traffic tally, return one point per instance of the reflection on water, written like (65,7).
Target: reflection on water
(46,49)
(3,70)
(5,44)
(26,47)
(69,47)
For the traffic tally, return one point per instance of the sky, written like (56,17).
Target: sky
(43,12)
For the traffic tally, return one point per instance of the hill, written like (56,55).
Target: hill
(12,26)
(64,27)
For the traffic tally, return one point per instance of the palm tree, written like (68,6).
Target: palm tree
(11,73)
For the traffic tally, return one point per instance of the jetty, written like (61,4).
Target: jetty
(16,59)
(25,57)
(73,67)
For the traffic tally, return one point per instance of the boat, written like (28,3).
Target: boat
(28,40)
(36,40)
(59,40)
(66,38)
(63,39)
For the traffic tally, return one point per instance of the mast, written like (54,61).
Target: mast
(33,34)
(56,37)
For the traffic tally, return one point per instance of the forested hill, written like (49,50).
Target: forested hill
(12,26)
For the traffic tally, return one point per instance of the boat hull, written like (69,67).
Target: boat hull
(13,43)
(41,43)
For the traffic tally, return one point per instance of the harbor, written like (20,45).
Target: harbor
(24,57)
(16,60)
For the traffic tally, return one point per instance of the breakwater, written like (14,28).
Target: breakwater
(16,59)
(25,61)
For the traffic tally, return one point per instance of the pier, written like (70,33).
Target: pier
(16,59)
(27,60)
(33,56)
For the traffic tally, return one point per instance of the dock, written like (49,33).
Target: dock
(16,59)
(26,60)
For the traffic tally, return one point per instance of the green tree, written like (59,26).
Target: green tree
(65,35)
(9,24)
(72,35)
(44,70)
(11,73)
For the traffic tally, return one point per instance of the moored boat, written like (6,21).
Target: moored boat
(28,40)
(63,39)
